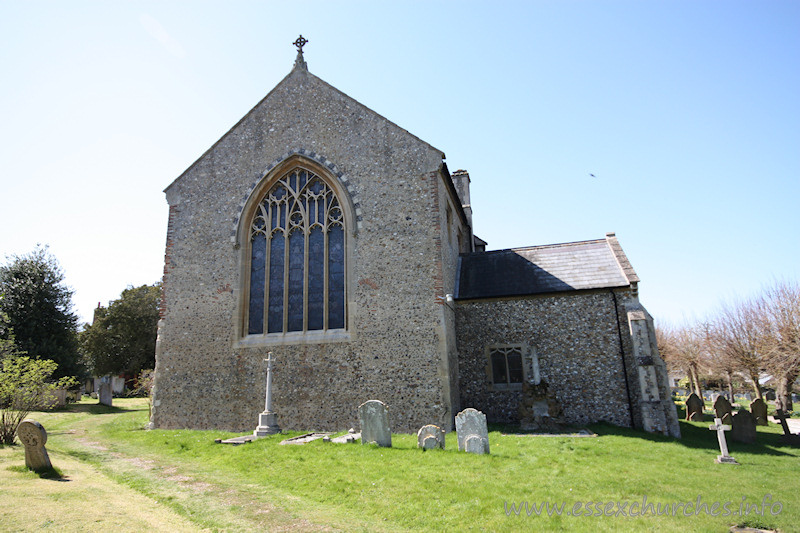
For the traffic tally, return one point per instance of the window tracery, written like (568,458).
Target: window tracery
(506,366)
(297,257)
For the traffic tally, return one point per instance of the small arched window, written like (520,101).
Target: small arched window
(297,257)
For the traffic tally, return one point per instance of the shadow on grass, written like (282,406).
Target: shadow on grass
(700,437)
(52,473)
(692,436)
(97,409)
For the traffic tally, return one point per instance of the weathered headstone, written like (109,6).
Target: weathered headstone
(694,408)
(32,434)
(721,428)
(473,436)
(770,395)
(374,418)
(430,437)
(105,392)
(759,409)
(722,409)
(743,427)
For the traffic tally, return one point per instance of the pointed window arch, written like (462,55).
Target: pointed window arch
(297,257)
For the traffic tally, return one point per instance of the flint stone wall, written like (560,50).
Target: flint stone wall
(396,347)
(576,336)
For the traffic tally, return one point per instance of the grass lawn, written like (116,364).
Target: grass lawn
(320,486)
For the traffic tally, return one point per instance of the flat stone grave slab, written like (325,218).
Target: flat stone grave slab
(347,438)
(244,439)
(304,439)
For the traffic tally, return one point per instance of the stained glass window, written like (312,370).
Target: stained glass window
(297,256)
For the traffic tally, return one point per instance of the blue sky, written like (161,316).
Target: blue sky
(686,112)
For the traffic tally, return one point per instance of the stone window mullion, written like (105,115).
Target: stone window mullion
(301,222)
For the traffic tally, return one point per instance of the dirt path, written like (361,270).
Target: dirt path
(85,500)
(104,489)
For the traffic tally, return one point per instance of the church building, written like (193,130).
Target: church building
(324,233)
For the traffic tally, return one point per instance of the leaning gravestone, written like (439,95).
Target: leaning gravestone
(743,427)
(374,418)
(759,409)
(430,437)
(694,408)
(32,434)
(722,409)
(105,392)
(473,437)
(788,437)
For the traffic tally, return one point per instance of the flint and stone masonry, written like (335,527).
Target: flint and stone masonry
(421,306)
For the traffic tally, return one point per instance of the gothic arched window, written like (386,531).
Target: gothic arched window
(297,257)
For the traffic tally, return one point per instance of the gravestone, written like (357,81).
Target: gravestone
(694,408)
(721,428)
(374,418)
(743,427)
(759,409)
(788,437)
(722,409)
(348,438)
(770,396)
(32,434)
(105,393)
(473,437)
(430,437)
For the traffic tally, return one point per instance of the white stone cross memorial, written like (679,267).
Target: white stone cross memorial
(721,428)
(267,421)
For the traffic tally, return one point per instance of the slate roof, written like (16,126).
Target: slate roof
(542,269)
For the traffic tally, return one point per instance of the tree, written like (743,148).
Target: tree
(24,386)
(779,307)
(39,310)
(739,335)
(719,361)
(122,337)
(683,348)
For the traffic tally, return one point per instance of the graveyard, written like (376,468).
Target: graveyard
(114,473)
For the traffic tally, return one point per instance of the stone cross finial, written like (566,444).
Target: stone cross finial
(300,43)
(721,428)
(32,434)
(299,62)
